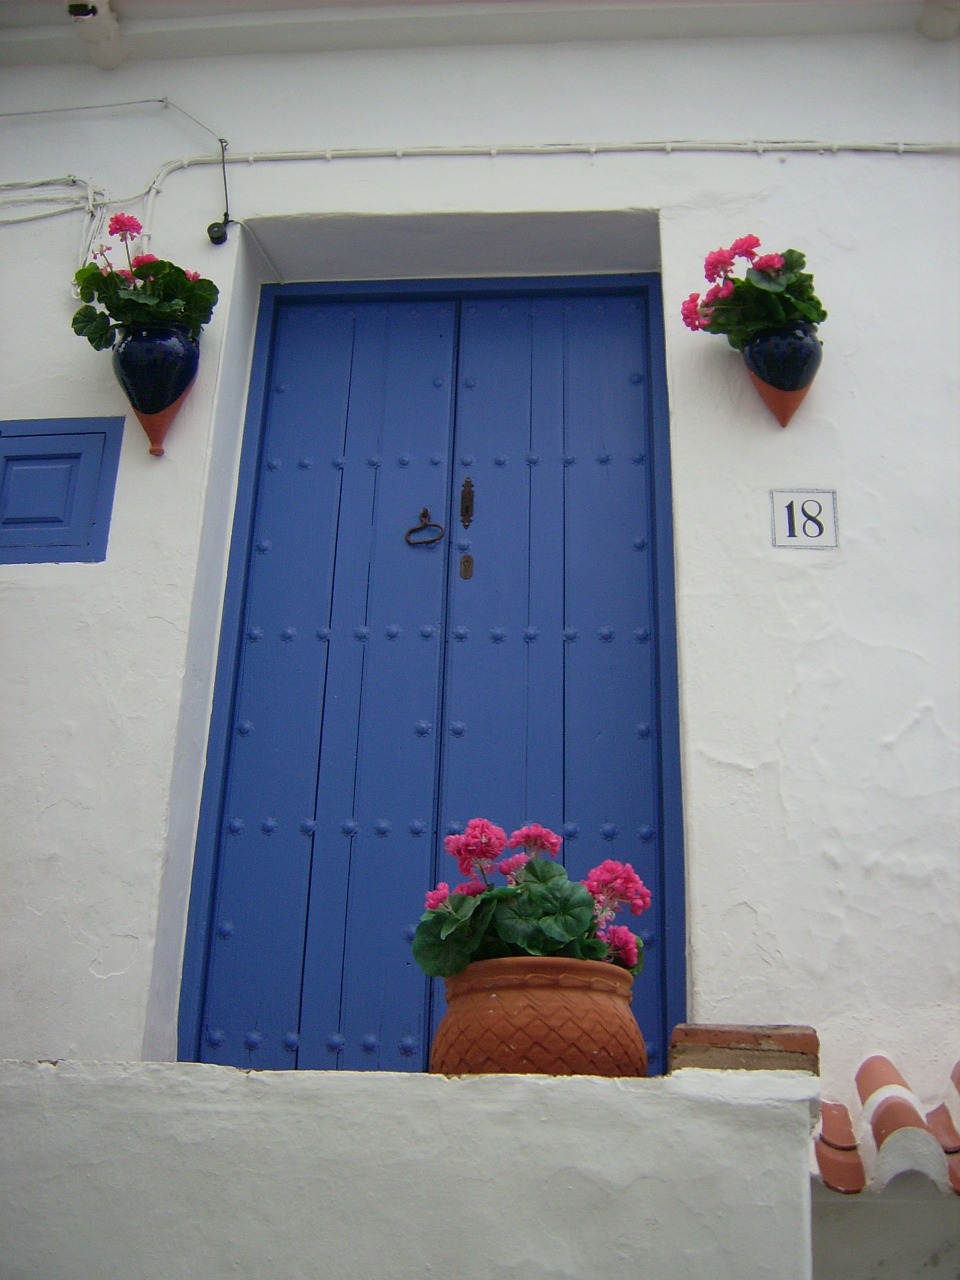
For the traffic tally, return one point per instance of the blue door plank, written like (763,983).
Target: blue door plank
(252,1006)
(611,793)
(377,764)
(336,818)
(484,741)
(545,656)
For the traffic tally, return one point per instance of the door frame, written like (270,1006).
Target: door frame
(272,298)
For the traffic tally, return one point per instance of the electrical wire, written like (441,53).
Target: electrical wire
(94,201)
(111,106)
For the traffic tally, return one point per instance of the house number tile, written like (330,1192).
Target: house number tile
(804,519)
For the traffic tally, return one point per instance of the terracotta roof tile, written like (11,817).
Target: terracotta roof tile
(906,1137)
(840,1170)
(943,1129)
(835,1147)
(836,1127)
(876,1073)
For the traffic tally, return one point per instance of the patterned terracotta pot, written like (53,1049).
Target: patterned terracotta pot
(539,1015)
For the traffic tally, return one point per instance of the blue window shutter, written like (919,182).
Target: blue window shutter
(57,479)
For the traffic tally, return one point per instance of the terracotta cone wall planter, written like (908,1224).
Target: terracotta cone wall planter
(782,365)
(782,404)
(156,425)
(156,366)
(539,1015)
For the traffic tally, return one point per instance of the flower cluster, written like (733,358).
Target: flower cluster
(148,290)
(476,852)
(613,885)
(538,911)
(482,843)
(774,292)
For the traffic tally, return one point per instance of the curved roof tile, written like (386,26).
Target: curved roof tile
(906,1138)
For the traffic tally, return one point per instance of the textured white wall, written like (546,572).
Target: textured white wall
(819,692)
(175,1171)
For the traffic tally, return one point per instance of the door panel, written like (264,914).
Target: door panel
(550,683)
(357,436)
(376,789)
(383,697)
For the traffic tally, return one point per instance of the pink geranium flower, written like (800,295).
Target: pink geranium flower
(510,866)
(124,225)
(745,247)
(536,838)
(719,263)
(613,885)
(478,848)
(690,311)
(484,839)
(724,290)
(192,275)
(770,262)
(144,259)
(471,888)
(438,896)
(621,943)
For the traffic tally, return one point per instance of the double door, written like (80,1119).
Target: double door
(449,610)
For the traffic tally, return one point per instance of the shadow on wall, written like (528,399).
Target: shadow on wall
(909,1231)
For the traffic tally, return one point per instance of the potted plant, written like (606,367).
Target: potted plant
(157,310)
(770,315)
(538,976)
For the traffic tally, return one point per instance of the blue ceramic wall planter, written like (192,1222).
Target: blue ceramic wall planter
(782,364)
(156,366)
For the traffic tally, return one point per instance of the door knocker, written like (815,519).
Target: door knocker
(424,527)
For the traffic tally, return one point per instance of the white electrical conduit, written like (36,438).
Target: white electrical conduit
(542,149)
(683,146)
(94,201)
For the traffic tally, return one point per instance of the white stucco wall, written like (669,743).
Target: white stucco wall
(818,692)
(158,1170)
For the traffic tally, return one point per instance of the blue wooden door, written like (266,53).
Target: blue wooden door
(387,688)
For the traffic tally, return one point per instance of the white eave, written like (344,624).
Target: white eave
(43,32)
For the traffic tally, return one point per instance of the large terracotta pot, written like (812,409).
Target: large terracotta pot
(156,366)
(782,364)
(539,1015)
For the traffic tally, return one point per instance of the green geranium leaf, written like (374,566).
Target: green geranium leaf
(543,871)
(518,923)
(568,911)
(438,957)
(760,280)
(544,917)
(468,914)
(137,297)
(794,260)
(95,326)
(592,949)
